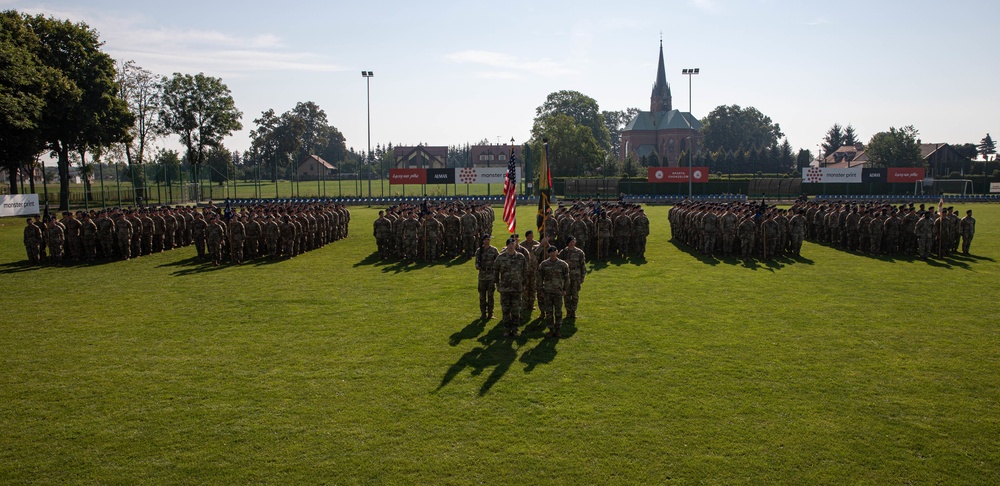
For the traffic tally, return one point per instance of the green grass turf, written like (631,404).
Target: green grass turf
(334,368)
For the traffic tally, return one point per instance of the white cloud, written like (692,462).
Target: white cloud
(165,50)
(513,67)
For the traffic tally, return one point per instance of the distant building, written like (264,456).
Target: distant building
(493,155)
(941,158)
(661,134)
(420,157)
(314,167)
(846,157)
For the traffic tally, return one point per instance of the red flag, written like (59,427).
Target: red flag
(510,194)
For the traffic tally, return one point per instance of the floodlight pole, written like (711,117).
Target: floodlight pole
(689,72)
(368,79)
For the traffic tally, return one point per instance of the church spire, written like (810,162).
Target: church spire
(660,100)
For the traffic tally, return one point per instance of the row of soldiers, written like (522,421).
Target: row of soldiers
(880,228)
(747,229)
(601,229)
(114,233)
(527,270)
(431,230)
(270,230)
(118,233)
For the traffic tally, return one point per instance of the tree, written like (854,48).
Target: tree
(85,111)
(786,161)
(732,127)
(141,90)
(572,148)
(895,148)
(24,84)
(833,140)
(803,159)
(616,122)
(582,109)
(219,160)
(987,147)
(201,110)
(850,137)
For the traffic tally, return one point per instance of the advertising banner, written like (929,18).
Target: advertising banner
(407,176)
(440,176)
(677,174)
(814,175)
(994,187)
(910,174)
(485,175)
(19,205)
(872,175)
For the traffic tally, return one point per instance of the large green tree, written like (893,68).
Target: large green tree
(730,127)
(200,109)
(897,147)
(572,148)
(24,84)
(85,112)
(141,90)
(582,109)
(987,147)
(616,122)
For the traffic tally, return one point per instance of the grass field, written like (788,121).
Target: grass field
(335,368)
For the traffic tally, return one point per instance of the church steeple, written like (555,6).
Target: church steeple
(661,100)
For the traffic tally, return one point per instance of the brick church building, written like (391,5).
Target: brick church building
(661,134)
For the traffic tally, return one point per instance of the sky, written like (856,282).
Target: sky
(448,73)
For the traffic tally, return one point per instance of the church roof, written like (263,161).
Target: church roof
(664,120)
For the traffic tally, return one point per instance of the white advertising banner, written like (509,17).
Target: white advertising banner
(994,187)
(826,174)
(19,205)
(483,175)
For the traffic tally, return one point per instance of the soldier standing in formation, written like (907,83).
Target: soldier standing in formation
(553,280)
(577,261)
(509,269)
(968,231)
(485,256)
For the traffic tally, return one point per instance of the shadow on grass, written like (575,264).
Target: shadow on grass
(947,261)
(757,263)
(616,261)
(21,266)
(470,331)
(498,353)
(194,266)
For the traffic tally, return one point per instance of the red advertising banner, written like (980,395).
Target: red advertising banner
(911,174)
(407,176)
(677,174)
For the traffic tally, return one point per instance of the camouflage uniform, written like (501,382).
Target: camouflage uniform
(55,239)
(485,258)
(509,273)
(968,231)
(577,261)
(32,237)
(553,279)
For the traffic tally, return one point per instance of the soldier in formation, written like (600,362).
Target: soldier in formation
(601,229)
(881,228)
(745,230)
(430,231)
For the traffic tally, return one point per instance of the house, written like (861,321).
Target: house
(846,157)
(942,159)
(314,168)
(420,157)
(493,155)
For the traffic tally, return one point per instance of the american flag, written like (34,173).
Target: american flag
(510,194)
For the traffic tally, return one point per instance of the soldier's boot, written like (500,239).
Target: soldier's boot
(571,314)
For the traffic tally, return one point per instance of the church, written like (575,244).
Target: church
(661,134)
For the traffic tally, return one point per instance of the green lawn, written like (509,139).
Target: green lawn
(335,368)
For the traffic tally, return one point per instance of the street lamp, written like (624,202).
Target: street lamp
(368,80)
(690,72)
